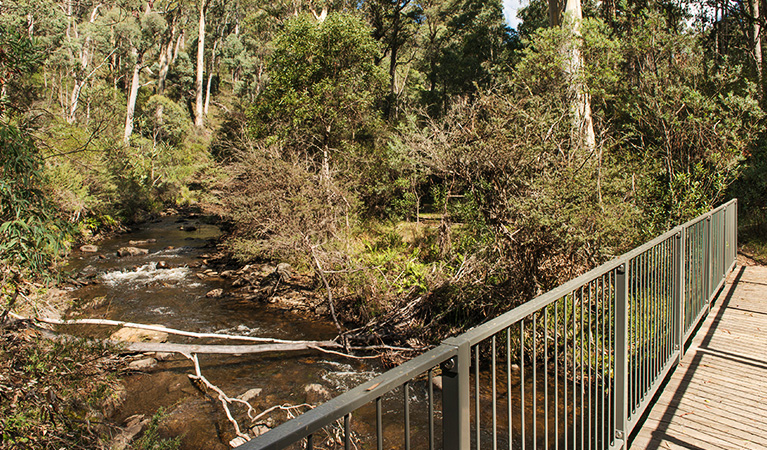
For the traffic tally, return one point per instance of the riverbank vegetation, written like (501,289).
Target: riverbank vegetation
(429,165)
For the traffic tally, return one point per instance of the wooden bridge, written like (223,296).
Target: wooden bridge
(579,366)
(717,396)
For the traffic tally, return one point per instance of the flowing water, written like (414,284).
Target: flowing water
(166,287)
(138,289)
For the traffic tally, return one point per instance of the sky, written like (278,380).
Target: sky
(510,8)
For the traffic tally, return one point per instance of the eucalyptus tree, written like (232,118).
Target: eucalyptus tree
(137,35)
(569,15)
(324,87)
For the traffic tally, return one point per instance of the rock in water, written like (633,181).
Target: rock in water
(137,335)
(215,293)
(142,364)
(131,251)
(250,394)
(89,248)
(236,442)
(142,242)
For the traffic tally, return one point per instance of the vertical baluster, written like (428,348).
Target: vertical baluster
(556,375)
(564,373)
(476,396)
(522,422)
(634,275)
(379,425)
(508,387)
(645,323)
(535,382)
(431,409)
(495,420)
(575,373)
(310,442)
(611,333)
(406,394)
(582,368)
(546,376)
(348,433)
(654,312)
(591,361)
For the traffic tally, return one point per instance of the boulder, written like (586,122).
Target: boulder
(142,364)
(250,394)
(89,248)
(258,430)
(238,441)
(131,251)
(215,293)
(127,334)
(142,242)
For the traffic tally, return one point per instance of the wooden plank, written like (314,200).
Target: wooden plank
(717,397)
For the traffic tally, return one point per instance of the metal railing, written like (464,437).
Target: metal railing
(573,368)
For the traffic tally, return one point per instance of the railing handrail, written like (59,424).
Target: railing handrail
(335,409)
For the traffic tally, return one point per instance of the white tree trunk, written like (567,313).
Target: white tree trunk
(132,101)
(583,136)
(74,100)
(166,57)
(758,45)
(198,110)
(210,77)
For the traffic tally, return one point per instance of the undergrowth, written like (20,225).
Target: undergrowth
(53,392)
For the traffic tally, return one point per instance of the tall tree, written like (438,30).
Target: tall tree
(199,118)
(582,123)
(138,33)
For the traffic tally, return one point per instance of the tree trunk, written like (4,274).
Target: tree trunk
(74,100)
(210,77)
(166,57)
(582,124)
(198,110)
(758,47)
(133,94)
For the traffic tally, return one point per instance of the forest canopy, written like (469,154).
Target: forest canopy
(397,149)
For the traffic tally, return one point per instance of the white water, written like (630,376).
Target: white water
(144,275)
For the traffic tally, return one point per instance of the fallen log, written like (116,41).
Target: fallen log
(108,322)
(165,347)
(268,345)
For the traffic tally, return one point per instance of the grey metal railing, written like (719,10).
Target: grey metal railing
(573,368)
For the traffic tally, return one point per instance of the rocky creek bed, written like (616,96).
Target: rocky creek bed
(169,273)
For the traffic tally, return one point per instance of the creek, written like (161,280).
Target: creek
(166,286)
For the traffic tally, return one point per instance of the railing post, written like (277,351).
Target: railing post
(679,288)
(456,398)
(621,354)
(735,230)
(708,266)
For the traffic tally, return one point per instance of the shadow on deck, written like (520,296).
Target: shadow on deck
(717,397)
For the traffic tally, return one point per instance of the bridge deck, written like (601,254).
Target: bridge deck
(717,397)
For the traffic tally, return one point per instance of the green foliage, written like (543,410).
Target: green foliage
(697,118)
(278,208)
(324,86)
(31,234)
(150,439)
(53,391)
(164,120)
